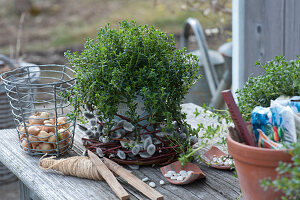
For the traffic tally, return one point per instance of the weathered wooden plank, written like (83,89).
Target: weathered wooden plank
(292,29)
(132,179)
(24,192)
(108,176)
(263,30)
(264,33)
(51,185)
(47,185)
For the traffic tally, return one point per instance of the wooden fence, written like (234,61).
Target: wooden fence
(263,29)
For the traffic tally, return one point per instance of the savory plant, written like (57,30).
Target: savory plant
(281,77)
(135,60)
(125,67)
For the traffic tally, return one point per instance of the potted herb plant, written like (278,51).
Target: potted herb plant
(139,68)
(277,170)
(254,164)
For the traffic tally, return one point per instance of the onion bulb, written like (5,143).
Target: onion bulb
(52,121)
(21,129)
(62,144)
(52,138)
(45,147)
(63,125)
(62,120)
(47,121)
(34,119)
(25,145)
(34,141)
(48,128)
(63,134)
(43,136)
(44,115)
(33,130)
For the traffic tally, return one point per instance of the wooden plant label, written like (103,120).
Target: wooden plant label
(237,117)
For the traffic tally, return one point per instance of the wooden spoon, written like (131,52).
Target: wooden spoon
(176,166)
(209,155)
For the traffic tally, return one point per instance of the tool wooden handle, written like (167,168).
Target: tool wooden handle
(237,117)
(133,180)
(108,176)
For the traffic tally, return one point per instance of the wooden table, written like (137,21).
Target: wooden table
(38,184)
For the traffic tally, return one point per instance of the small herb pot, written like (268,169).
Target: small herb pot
(253,164)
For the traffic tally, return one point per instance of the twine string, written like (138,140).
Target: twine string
(79,166)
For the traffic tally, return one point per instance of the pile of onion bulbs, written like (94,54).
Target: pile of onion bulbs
(40,134)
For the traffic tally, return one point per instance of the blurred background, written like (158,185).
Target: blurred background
(48,28)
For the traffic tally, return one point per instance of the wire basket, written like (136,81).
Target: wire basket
(6,116)
(39,109)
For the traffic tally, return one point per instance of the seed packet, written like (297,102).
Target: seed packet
(293,103)
(266,142)
(290,120)
(261,119)
(284,121)
(279,123)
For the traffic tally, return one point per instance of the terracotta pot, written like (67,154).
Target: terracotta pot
(254,164)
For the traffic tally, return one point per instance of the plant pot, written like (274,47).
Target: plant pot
(254,164)
(140,109)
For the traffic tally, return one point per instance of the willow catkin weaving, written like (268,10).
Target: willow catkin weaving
(79,166)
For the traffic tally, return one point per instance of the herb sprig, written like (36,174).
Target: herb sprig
(281,77)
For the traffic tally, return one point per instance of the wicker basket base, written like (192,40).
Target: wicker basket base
(162,158)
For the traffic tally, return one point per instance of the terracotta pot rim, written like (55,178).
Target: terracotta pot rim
(251,148)
(254,164)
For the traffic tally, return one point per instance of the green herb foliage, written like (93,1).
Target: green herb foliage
(281,78)
(211,133)
(133,61)
(288,180)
